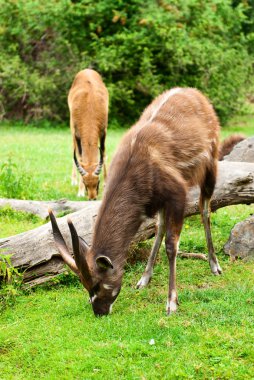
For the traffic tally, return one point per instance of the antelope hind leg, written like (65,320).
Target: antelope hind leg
(174,222)
(213,261)
(206,193)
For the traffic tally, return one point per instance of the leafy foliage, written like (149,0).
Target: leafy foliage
(140,48)
(10,281)
(14,222)
(15,183)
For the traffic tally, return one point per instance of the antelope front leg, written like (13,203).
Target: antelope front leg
(147,275)
(174,222)
(74,180)
(81,190)
(104,171)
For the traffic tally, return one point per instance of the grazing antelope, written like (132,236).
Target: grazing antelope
(88,105)
(173,146)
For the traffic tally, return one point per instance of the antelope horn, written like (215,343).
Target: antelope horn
(79,167)
(61,245)
(99,166)
(80,248)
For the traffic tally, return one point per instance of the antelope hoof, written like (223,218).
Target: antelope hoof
(74,182)
(171,307)
(144,281)
(81,194)
(215,268)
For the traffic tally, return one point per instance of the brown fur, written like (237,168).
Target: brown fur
(88,105)
(174,145)
(229,143)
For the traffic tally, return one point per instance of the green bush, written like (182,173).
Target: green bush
(11,216)
(140,48)
(10,281)
(14,183)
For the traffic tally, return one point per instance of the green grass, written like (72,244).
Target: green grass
(240,124)
(46,156)
(51,333)
(14,222)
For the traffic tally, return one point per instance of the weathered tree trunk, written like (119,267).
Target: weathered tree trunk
(35,251)
(40,208)
(244,151)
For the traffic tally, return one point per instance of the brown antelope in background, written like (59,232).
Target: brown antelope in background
(172,147)
(88,105)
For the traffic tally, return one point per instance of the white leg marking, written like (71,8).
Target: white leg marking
(171,307)
(81,193)
(172,303)
(74,180)
(144,281)
(215,267)
(81,190)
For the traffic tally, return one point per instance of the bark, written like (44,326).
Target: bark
(199,256)
(35,252)
(244,151)
(40,208)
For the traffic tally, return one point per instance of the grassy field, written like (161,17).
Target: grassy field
(51,333)
(45,155)
(41,158)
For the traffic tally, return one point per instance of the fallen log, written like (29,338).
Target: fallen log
(40,208)
(35,252)
(243,151)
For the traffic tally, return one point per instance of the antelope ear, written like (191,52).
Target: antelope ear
(104,262)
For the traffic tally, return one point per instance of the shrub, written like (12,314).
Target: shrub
(10,281)
(140,48)
(14,183)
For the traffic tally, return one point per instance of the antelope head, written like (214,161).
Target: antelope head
(96,272)
(91,180)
